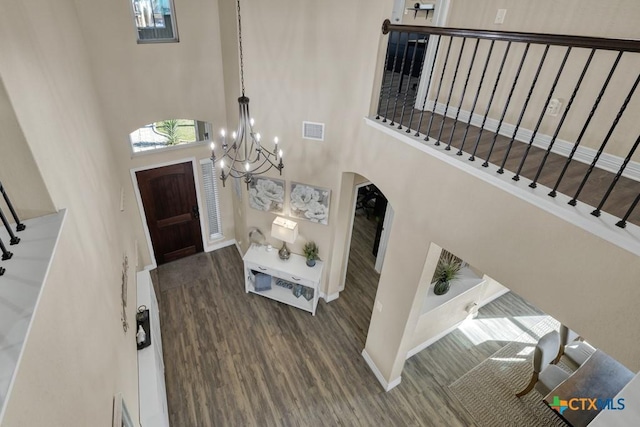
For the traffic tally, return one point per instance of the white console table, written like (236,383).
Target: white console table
(294,270)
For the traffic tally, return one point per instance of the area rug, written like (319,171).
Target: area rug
(488,390)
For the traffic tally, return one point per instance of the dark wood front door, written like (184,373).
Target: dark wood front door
(170,205)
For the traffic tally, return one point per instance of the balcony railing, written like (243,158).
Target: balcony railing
(13,239)
(556,110)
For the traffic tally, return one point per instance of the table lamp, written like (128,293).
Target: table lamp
(287,231)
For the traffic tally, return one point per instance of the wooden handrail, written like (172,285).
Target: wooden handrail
(623,45)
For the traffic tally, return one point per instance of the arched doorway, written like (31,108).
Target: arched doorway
(365,221)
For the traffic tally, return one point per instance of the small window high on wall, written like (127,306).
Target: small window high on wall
(168,134)
(155,21)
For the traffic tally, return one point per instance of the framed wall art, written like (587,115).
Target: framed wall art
(309,202)
(267,194)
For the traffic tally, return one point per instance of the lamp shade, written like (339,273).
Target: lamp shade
(284,229)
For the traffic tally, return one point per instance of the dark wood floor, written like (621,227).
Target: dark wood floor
(447,130)
(237,359)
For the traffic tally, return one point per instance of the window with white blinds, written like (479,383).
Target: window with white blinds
(211,196)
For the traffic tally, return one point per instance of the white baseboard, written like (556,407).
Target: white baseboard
(492,297)
(427,343)
(430,341)
(238,248)
(385,385)
(608,162)
(329,298)
(219,245)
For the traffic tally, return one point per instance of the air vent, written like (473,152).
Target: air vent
(312,130)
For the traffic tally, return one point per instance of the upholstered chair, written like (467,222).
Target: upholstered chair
(546,376)
(571,346)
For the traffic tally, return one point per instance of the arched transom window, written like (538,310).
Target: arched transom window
(169,133)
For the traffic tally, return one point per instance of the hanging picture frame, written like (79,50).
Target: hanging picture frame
(267,194)
(309,202)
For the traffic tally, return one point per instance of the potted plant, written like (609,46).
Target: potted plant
(447,270)
(311,253)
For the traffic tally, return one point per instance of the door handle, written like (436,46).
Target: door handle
(195,212)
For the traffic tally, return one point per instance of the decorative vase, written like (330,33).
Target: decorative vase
(441,287)
(311,262)
(284,252)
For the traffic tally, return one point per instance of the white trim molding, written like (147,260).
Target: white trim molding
(430,341)
(329,298)
(238,248)
(493,297)
(385,385)
(219,244)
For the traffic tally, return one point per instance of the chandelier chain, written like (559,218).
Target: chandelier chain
(240,42)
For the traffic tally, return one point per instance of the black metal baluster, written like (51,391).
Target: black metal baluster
(404,61)
(475,100)
(384,76)
(464,91)
(435,101)
(506,105)
(19,226)
(393,71)
(426,94)
(413,108)
(572,202)
(596,212)
(5,253)
(564,116)
(516,177)
(493,93)
(406,92)
(553,192)
(524,109)
(453,83)
(623,222)
(14,239)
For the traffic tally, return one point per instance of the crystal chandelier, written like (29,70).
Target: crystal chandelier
(245,156)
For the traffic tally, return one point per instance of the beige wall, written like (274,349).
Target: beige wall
(444,317)
(453,311)
(77,355)
(142,83)
(504,237)
(589,18)
(299,69)
(18,172)
(614,19)
(304,61)
(329,78)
